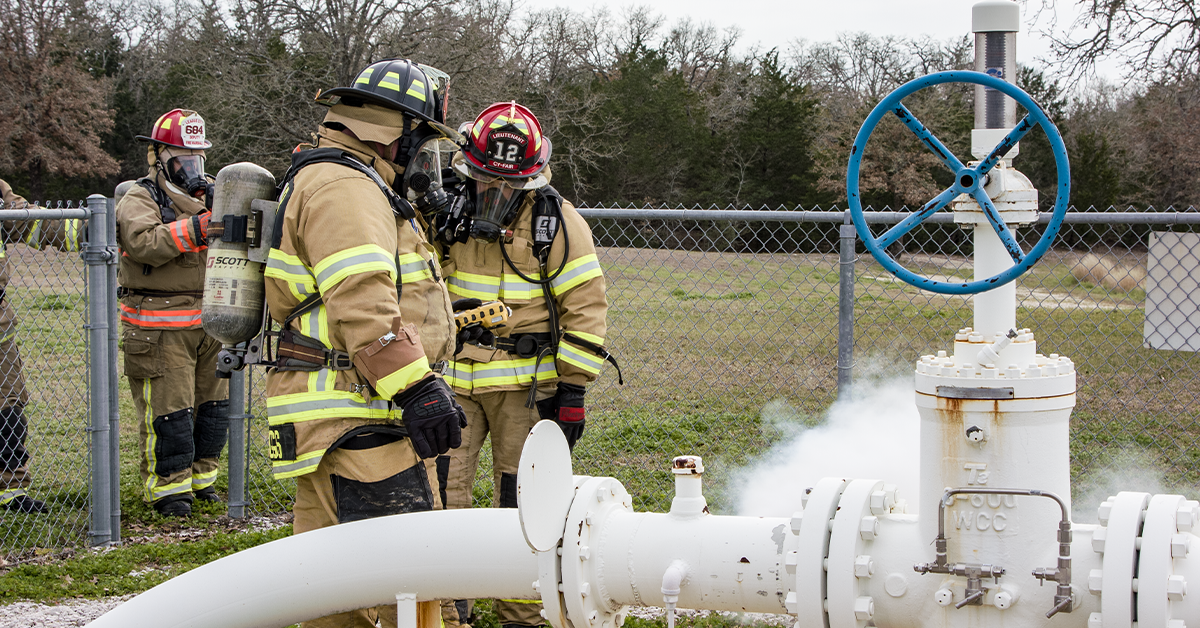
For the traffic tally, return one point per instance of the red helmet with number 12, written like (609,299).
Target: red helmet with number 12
(506,140)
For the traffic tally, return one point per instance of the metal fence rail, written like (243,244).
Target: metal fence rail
(723,321)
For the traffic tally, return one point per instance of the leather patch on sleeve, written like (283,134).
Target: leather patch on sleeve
(390,354)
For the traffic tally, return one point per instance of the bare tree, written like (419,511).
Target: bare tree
(52,110)
(1148,36)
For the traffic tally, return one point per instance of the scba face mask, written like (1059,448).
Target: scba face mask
(187,172)
(495,203)
(423,183)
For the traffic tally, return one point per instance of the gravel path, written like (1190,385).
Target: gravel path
(68,615)
(79,612)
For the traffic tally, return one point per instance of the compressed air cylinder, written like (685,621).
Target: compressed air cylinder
(232,309)
(122,188)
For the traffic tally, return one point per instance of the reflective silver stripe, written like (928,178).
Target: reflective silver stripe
(414,268)
(276,412)
(586,358)
(473,286)
(8,496)
(278,468)
(162,319)
(276,262)
(365,258)
(567,276)
(506,369)
(181,487)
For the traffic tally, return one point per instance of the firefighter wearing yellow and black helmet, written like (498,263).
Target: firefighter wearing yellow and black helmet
(14,457)
(358,399)
(182,406)
(521,244)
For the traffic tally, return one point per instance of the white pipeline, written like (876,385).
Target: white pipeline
(452,554)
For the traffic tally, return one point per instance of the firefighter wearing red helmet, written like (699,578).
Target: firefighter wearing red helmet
(355,285)
(181,405)
(530,249)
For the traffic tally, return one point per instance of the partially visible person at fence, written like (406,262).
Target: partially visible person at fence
(15,477)
(366,317)
(527,247)
(182,407)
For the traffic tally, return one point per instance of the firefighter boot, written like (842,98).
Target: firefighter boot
(174,506)
(25,504)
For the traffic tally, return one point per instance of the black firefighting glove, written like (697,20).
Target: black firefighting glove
(475,334)
(566,409)
(433,418)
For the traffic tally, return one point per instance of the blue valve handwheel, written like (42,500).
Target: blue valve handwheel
(967,180)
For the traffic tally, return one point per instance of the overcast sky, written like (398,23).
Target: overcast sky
(774,23)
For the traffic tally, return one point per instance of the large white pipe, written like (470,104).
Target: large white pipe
(733,563)
(453,554)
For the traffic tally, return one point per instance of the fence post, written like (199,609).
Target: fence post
(96,254)
(114,402)
(845,363)
(237,443)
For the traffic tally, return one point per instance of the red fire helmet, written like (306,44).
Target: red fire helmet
(506,140)
(181,128)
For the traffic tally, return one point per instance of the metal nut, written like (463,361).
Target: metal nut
(1002,600)
(1095,581)
(1176,588)
(944,597)
(1103,512)
(1180,545)
(868,528)
(1187,516)
(864,567)
(864,608)
(1098,539)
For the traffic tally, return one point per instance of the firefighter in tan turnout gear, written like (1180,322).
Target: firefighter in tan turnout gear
(14,458)
(358,398)
(523,245)
(182,407)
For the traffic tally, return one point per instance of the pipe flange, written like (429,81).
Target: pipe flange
(586,604)
(549,583)
(1122,518)
(850,564)
(807,601)
(1160,589)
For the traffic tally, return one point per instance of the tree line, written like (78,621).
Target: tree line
(640,111)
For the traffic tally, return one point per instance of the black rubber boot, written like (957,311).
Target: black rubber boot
(208,495)
(177,507)
(26,504)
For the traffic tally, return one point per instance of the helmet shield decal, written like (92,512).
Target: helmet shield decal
(506,148)
(191,130)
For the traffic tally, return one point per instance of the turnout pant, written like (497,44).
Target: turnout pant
(353,484)
(14,458)
(503,417)
(182,409)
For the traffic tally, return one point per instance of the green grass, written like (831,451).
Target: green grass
(132,568)
(706,340)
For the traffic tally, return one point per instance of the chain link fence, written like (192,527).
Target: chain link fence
(45,418)
(722,322)
(722,318)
